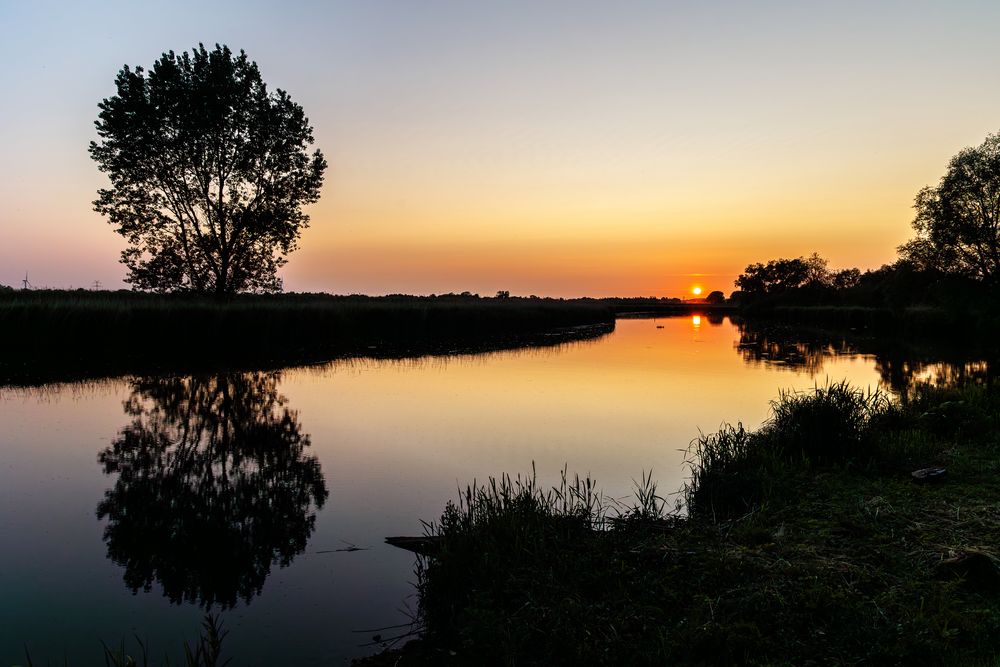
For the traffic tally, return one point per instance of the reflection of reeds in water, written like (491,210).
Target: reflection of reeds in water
(52,392)
(541,346)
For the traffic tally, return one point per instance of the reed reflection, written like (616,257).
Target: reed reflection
(215,485)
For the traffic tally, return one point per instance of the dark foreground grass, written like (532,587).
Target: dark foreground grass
(57,335)
(205,652)
(804,542)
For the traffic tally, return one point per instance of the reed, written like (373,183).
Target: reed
(802,542)
(734,470)
(205,652)
(62,334)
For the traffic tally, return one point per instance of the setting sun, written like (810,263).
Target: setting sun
(696,291)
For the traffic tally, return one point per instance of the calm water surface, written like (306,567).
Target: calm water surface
(129,506)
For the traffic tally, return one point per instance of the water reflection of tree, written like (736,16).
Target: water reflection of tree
(715,319)
(905,374)
(783,347)
(214,487)
(902,365)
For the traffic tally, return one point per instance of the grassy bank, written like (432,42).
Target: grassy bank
(804,542)
(65,334)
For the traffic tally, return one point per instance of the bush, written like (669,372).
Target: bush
(732,470)
(826,426)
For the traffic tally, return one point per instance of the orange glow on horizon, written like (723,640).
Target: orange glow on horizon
(557,168)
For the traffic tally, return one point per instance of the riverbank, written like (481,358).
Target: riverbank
(64,335)
(805,542)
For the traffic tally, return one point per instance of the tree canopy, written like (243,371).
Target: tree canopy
(782,274)
(209,173)
(716,296)
(958,222)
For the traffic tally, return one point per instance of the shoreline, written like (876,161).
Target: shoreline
(64,336)
(806,541)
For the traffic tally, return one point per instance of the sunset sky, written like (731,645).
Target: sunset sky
(550,148)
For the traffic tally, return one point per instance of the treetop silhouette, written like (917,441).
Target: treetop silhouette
(958,222)
(209,173)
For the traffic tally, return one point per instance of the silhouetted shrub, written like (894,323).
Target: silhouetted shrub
(733,470)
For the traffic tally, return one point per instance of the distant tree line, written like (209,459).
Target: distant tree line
(953,261)
(900,284)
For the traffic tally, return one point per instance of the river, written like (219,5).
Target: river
(129,506)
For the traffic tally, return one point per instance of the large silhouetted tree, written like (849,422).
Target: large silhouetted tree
(958,222)
(209,172)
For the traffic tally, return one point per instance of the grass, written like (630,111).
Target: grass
(837,425)
(56,335)
(205,652)
(802,542)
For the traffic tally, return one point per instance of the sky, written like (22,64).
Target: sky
(549,148)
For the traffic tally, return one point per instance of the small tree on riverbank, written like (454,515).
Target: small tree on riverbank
(209,173)
(716,297)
